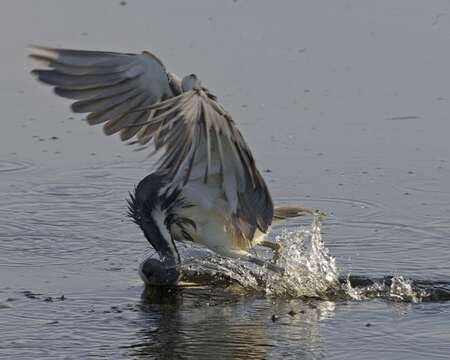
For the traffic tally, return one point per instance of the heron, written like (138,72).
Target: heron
(205,187)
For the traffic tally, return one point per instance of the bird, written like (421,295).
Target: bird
(205,188)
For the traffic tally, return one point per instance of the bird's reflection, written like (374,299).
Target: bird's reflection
(213,322)
(161,296)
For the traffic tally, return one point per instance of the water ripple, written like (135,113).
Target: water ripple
(13,165)
(78,190)
(342,206)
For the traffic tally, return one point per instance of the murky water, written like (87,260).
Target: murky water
(345,106)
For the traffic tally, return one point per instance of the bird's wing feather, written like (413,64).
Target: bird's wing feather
(200,142)
(134,94)
(107,85)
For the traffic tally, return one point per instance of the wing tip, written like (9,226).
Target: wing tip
(38,75)
(44,61)
(44,76)
(37,51)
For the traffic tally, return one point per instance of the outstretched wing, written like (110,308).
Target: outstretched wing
(202,143)
(108,85)
(134,94)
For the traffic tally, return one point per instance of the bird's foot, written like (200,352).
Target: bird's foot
(275,247)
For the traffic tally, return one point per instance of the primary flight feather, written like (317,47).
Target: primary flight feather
(206,187)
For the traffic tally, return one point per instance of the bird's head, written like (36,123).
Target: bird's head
(158,273)
(191,82)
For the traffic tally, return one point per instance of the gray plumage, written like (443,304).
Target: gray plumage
(205,168)
(107,85)
(134,94)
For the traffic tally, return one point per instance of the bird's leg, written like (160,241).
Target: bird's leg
(269,266)
(275,247)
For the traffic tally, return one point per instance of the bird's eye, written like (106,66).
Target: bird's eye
(193,76)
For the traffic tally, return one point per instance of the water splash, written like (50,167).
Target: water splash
(309,272)
(395,288)
(309,269)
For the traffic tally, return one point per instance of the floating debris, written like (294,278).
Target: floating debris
(30,295)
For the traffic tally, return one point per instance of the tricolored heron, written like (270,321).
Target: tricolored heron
(206,187)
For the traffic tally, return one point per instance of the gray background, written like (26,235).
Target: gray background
(345,102)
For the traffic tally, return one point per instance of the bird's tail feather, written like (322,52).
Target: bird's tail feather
(286,212)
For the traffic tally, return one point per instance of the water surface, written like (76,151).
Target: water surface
(345,106)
